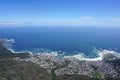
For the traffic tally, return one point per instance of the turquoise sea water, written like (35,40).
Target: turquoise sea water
(68,40)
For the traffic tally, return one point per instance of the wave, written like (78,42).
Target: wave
(9,43)
(101,54)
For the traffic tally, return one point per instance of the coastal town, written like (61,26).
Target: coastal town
(108,68)
(72,65)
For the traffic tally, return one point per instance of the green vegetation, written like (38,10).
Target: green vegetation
(73,77)
(54,77)
(97,76)
(14,70)
(21,70)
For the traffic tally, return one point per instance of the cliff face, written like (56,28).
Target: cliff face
(25,66)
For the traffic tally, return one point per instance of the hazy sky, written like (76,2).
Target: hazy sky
(60,12)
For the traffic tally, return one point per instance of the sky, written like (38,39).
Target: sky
(60,12)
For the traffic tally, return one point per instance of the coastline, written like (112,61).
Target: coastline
(71,65)
(80,56)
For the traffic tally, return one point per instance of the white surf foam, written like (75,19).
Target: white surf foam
(100,57)
(79,56)
(9,44)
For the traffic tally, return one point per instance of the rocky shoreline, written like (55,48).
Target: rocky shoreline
(68,68)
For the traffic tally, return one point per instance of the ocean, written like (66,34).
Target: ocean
(67,41)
